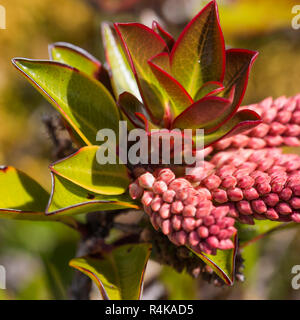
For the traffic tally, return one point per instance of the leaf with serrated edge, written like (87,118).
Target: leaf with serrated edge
(68,198)
(83,169)
(223,263)
(84,102)
(118,274)
(122,76)
(198,55)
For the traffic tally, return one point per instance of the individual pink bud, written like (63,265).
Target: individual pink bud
(271,214)
(223,234)
(213,241)
(245,182)
(244,207)
(168,196)
(165,211)
(176,207)
(226,244)
(166,175)
(154,221)
(189,211)
(135,191)
(203,209)
(296,217)
(214,229)
(263,188)
(176,222)
(212,182)
(220,212)
(147,198)
(204,191)
(208,220)
(179,183)
(188,224)
(193,238)
(235,194)
(229,182)
(259,206)
(203,232)
(286,194)
(181,237)
(166,227)
(283,208)
(156,203)
(192,200)
(250,194)
(146,180)
(295,202)
(271,199)
(159,187)
(220,195)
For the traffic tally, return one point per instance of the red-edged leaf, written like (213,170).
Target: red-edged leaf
(203,114)
(141,43)
(238,66)
(242,121)
(122,77)
(208,89)
(178,96)
(82,60)
(223,263)
(198,55)
(169,40)
(130,105)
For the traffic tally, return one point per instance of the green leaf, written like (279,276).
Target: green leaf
(208,89)
(242,121)
(251,233)
(180,286)
(238,66)
(80,59)
(130,105)
(119,273)
(122,77)
(22,198)
(203,114)
(169,40)
(68,198)
(141,44)
(83,169)
(178,96)
(84,102)
(223,263)
(198,55)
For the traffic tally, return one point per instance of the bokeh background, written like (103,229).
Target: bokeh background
(35,254)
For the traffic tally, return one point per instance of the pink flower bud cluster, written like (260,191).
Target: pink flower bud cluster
(280,126)
(256,184)
(183,213)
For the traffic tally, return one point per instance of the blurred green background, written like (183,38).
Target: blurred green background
(36,255)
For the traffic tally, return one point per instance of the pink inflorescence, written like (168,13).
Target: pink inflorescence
(280,126)
(256,184)
(184,213)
